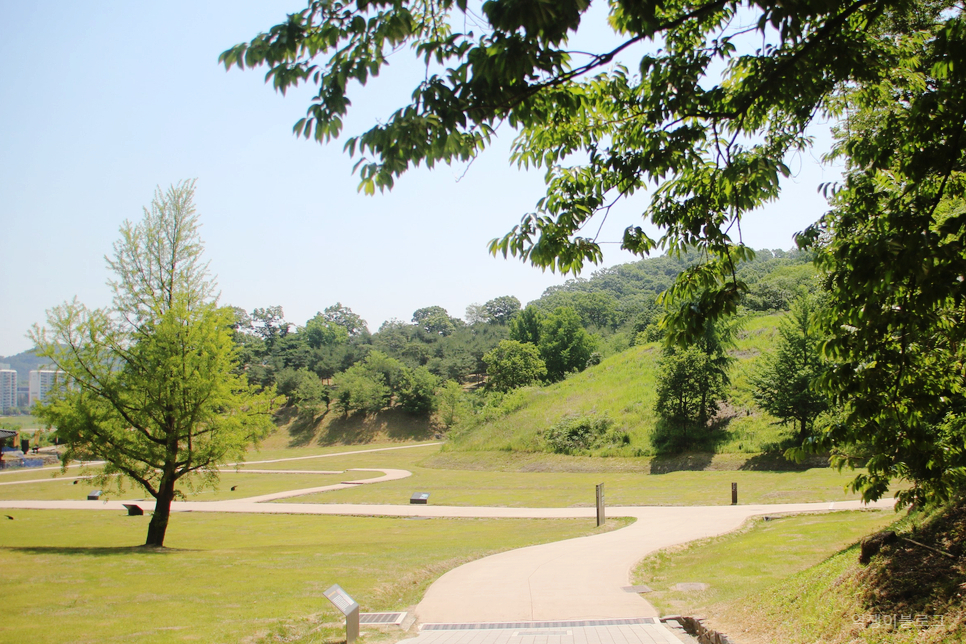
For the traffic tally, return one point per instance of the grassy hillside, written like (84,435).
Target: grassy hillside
(315,427)
(910,592)
(744,565)
(622,388)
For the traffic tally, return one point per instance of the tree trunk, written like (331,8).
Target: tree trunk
(162,510)
(703,411)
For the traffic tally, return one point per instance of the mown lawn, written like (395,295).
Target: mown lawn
(536,480)
(75,576)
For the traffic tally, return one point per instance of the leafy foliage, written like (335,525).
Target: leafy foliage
(616,304)
(786,385)
(450,403)
(322,332)
(526,326)
(357,389)
(706,120)
(564,344)
(344,317)
(435,320)
(688,392)
(381,381)
(301,387)
(501,310)
(575,434)
(417,393)
(150,382)
(893,257)
(702,103)
(514,364)
(691,383)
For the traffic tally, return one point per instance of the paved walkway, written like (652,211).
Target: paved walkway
(622,631)
(387,475)
(583,578)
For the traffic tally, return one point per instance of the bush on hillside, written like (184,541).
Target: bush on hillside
(577,433)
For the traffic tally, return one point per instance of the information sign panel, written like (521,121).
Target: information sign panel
(348,607)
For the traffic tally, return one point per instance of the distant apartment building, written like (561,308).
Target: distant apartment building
(8,388)
(23,393)
(39,383)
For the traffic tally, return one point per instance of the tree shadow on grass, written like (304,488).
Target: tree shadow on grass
(305,425)
(911,575)
(394,424)
(686,462)
(773,459)
(104,551)
(689,449)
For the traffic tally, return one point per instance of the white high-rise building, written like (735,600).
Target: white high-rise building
(40,383)
(8,388)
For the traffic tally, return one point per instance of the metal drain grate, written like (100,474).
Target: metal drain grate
(528,625)
(386,619)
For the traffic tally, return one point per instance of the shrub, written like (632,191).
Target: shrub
(578,433)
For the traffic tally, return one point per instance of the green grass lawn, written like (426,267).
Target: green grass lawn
(910,592)
(746,563)
(22,421)
(564,489)
(550,487)
(77,577)
(545,481)
(53,488)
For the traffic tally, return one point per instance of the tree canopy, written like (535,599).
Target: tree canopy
(513,364)
(785,383)
(150,385)
(691,383)
(704,100)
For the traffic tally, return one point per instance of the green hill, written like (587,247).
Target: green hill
(622,389)
(908,591)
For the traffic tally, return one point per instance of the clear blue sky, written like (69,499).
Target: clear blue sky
(102,102)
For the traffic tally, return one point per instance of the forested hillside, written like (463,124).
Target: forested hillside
(613,305)
(584,358)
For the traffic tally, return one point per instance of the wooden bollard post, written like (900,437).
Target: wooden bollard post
(734,494)
(600,505)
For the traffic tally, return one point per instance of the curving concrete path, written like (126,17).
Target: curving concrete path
(567,592)
(584,578)
(387,475)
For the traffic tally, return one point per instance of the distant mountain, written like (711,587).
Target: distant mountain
(618,295)
(23,363)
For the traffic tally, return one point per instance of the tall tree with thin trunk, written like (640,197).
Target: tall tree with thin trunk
(785,386)
(150,386)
